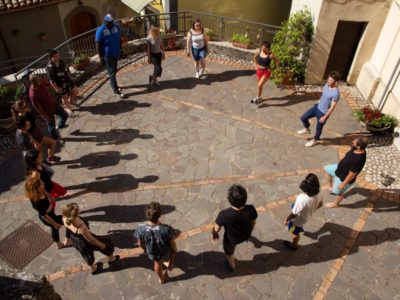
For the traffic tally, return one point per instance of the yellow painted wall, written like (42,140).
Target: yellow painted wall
(264,11)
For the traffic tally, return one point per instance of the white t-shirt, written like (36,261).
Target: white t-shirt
(304,207)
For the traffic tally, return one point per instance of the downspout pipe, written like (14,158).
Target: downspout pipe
(382,100)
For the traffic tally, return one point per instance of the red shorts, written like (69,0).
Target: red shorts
(263,72)
(57,190)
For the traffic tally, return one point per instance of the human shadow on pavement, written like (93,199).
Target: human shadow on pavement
(97,160)
(109,184)
(113,108)
(111,137)
(331,239)
(380,204)
(188,83)
(292,99)
(9,179)
(120,213)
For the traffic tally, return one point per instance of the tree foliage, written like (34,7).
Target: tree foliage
(291,44)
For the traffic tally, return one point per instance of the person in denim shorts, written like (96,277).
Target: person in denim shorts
(197,44)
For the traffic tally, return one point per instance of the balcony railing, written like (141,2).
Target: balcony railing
(137,28)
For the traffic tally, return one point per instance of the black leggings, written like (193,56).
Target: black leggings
(156,59)
(54,232)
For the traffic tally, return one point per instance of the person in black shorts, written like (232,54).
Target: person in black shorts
(61,80)
(238,222)
(341,176)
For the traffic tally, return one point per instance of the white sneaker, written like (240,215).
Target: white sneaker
(255,100)
(311,143)
(197,75)
(303,131)
(201,72)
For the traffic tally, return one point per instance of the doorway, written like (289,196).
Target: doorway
(345,43)
(82,22)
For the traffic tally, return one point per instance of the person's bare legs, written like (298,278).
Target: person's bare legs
(66,102)
(170,263)
(260,85)
(330,180)
(335,203)
(197,65)
(231,260)
(296,239)
(51,145)
(159,271)
(74,94)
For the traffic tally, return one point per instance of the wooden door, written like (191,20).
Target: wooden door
(344,47)
(82,22)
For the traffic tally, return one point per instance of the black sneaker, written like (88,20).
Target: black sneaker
(53,159)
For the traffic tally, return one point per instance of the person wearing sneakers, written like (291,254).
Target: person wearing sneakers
(323,109)
(341,176)
(61,80)
(155,54)
(45,104)
(108,45)
(304,207)
(262,60)
(238,222)
(157,240)
(197,44)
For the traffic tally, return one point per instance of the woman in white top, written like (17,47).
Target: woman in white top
(304,207)
(197,44)
(155,54)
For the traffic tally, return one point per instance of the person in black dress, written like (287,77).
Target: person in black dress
(44,204)
(84,241)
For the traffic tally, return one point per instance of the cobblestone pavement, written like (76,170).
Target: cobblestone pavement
(183,144)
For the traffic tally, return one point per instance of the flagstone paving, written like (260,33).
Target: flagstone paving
(183,144)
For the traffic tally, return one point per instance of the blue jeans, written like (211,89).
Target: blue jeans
(63,116)
(111,64)
(314,112)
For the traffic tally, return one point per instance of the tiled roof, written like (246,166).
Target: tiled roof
(9,5)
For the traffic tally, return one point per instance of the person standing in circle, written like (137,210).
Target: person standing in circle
(262,60)
(108,44)
(155,54)
(197,44)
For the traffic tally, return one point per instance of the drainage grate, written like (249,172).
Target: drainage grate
(24,244)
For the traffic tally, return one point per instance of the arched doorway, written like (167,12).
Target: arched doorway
(82,22)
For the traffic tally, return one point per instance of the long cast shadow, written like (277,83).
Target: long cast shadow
(188,83)
(112,137)
(292,99)
(113,108)
(120,213)
(108,184)
(97,160)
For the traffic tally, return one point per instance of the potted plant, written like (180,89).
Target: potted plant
(208,33)
(170,35)
(80,61)
(291,45)
(374,120)
(241,40)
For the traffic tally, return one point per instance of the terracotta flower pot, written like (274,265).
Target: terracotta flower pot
(241,45)
(82,65)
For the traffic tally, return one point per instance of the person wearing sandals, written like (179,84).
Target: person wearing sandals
(44,203)
(304,207)
(238,222)
(84,241)
(22,109)
(157,240)
(262,60)
(155,54)
(197,44)
(61,80)
(34,163)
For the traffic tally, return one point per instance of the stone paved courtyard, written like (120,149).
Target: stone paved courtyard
(183,144)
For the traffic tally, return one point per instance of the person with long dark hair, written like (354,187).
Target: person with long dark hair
(34,164)
(197,45)
(43,202)
(262,60)
(304,207)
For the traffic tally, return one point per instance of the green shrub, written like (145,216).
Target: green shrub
(208,31)
(79,58)
(8,95)
(240,38)
(291,44)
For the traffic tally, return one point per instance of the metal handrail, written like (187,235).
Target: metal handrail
(179,21)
